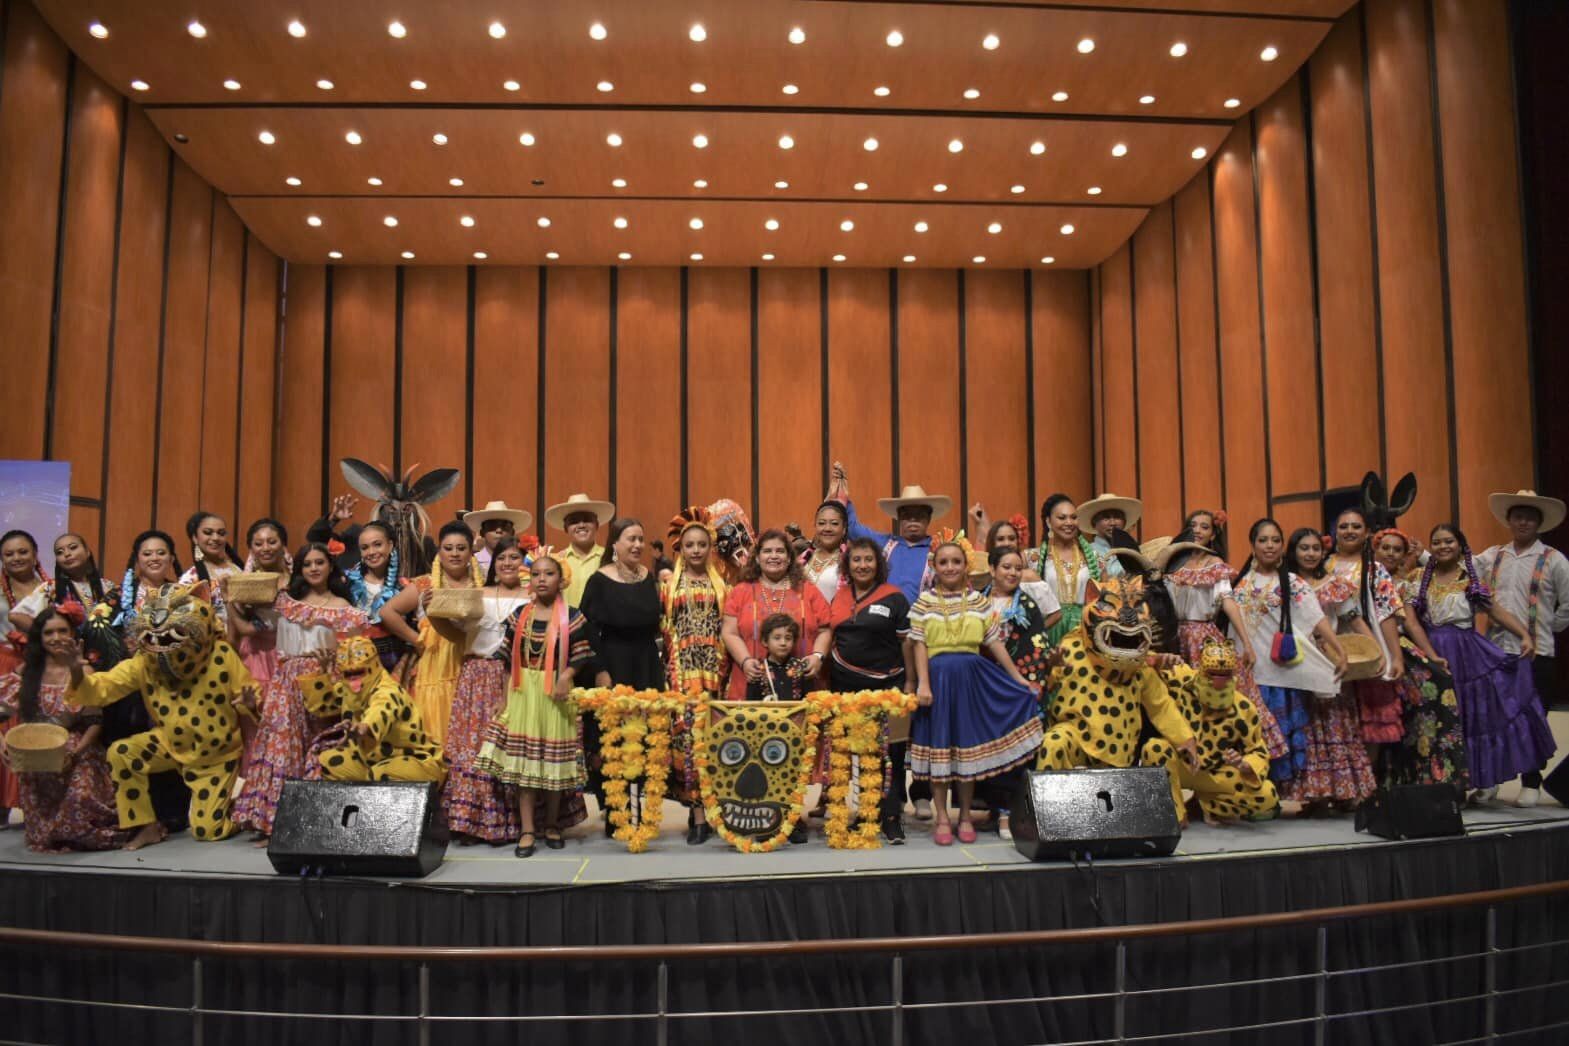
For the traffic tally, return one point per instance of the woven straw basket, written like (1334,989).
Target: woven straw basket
(456,604)
(37,748)
(257,589)
(1362,657)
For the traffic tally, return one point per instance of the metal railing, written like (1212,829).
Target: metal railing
(897,1009)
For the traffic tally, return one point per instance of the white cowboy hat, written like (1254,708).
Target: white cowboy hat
(494,510)
(1552,509)
(1131,509)
(915,494)
(556,515)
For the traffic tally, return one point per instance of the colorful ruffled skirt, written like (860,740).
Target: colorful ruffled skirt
(1506,732)
(1432,749)
(1379,707)
(536,742)
(474,801)
(1290,710)
(72,810)
(980,723)
(1335,766)
(278,753)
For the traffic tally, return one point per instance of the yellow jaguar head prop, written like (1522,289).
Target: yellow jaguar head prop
(1117,621)
(756,752)
(359,664)
(176,626)
(1216,684)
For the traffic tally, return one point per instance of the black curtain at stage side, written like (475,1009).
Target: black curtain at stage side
(292,910)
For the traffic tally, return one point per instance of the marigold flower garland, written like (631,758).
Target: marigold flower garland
(858,735)
(705,775)
(635,745)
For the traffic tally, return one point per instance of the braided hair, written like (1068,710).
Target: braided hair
(1367,568)
(5,579)
(194,524)
(129,583)
(1476,593)
(1283,570)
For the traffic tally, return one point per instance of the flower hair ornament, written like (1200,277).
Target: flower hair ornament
(1395,532)
(1021,526)
(539,552)
(977,562)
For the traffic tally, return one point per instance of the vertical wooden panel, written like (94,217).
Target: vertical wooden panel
(1201,394)
(929,439)
(32,121)
(1415,386)
(86,274)
(998,411)
(506,377)
(1290,515)
(1486,260)
(790,396)
(1348,333)
(648,395)
(1287,254)
(1118,374)
(364,343)
(719,387)
(134,396)
(184,350)
(297,467)
(860,393)
(86,521)
(577,394)
(1064,432)
(1236,275)
(220,386)
(435,334)
(1160,414)
(258,393)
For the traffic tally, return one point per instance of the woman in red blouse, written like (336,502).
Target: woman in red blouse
(773,584)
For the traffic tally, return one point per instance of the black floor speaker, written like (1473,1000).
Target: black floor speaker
(1412,812)
(1556,784)
(388,828)
(1095,813)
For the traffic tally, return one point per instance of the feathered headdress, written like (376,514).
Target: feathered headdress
(680,523)
(400,503)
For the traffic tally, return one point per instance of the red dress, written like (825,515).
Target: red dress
(751,604)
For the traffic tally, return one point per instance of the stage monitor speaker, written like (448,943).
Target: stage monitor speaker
(387,828)
(1412,812)
(1095,813)
(1556,784)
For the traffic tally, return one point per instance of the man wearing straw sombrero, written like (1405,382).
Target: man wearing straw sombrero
(581,517)
(493,523)
(1531,581)
(909,547)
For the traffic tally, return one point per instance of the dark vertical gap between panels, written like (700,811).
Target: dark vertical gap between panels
(1440,199)
(685,436)
(468,386)
(201,412)
(280,342)
(1133,339)
(615,292)
(5,19)
(964,409)
(823,366)
(893,370)
(1263,336)
(59,259)
(752,281)
(163,315)
(114,308)
(1176,330)
(1312,218)
(1091,316)
(326,392)
(1220,362)
(1525,180)
(397,371)
(1100,357)
(1372,228)
(239,371)
(540,401)
(1029,396)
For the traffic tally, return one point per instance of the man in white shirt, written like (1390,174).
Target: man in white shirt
(1531,581)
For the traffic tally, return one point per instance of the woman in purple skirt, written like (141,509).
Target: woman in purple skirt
(1506,732)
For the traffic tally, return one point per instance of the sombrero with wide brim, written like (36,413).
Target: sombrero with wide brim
(556,515)
(1131,509)
(1552,509)
(1169,551)
(495,510)
(915,494)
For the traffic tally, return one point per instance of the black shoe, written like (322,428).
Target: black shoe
(554,842)
(699,834)
(893,830)
(524,851)
(798,835)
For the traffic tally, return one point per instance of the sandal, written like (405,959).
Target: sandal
(553,839)
(943,836)
(966,832)
(524,851)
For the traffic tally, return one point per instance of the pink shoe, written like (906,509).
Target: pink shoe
(966,832)
(943,836)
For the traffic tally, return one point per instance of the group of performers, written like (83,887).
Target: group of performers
(1324,667)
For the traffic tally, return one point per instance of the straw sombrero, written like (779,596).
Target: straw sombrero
(556,515)
(495,510)
(1552,509)
(1131,509)
(915,494)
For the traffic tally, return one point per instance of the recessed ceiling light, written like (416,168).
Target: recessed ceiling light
(266,138)
(552,255)
(480,255)
(979,259)
(1179,49)
(625,256)
(497,30)
(700,141)
(909,257)
(390,222)
(940,187)
(1119,149)
(1059,96)
(838,257)
(697,257)
(620,223)
(1200,153)
(1269,54)
(870,145)
(605,86)
(353,138)
(1066,230)
(196,29)
(99,31)
(697,34)
(768,257)
(618,183)
(1232,103)
(297,29)
(325,85)
(417,85)
(697,88)
(613,140)
(956,146)
(1047,260)
(994,228)
(921,226)
(695,223)
(1037,148)
(1016,189)
(313,220)
(511,85)
(140,85)
(1086,45)
(456,183)
(1146,99)
(408,255)
(467,221)
(798,35)
(700,183)
(542,222)
(525,138)
(789,88)
(396,30)
(231,85)
(439,138)
(881,92)
(598,31)
(972,93)
(781,185)
(291,180)
(991,41)
(1093,190)
(786,142)
(373,181)
(847,226)
(860,186)
(895,38)
(334,255)
(771,224)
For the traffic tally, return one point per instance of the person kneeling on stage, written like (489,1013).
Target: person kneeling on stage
(1231,780)
(380,736)
(1105,685)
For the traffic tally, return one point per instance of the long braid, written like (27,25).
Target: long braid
(1420,602)
(1285,598)
(1366,583)
(1476,592)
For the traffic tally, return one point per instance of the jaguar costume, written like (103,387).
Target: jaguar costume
(380,736)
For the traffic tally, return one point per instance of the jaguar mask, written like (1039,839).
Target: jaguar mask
(755,751)
(1216,682)
(175,626)
(1117,621)
(359,664)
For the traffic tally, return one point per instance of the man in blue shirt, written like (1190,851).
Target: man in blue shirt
(908,549)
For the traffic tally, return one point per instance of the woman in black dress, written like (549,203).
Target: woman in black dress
(870,620)
(621,603)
